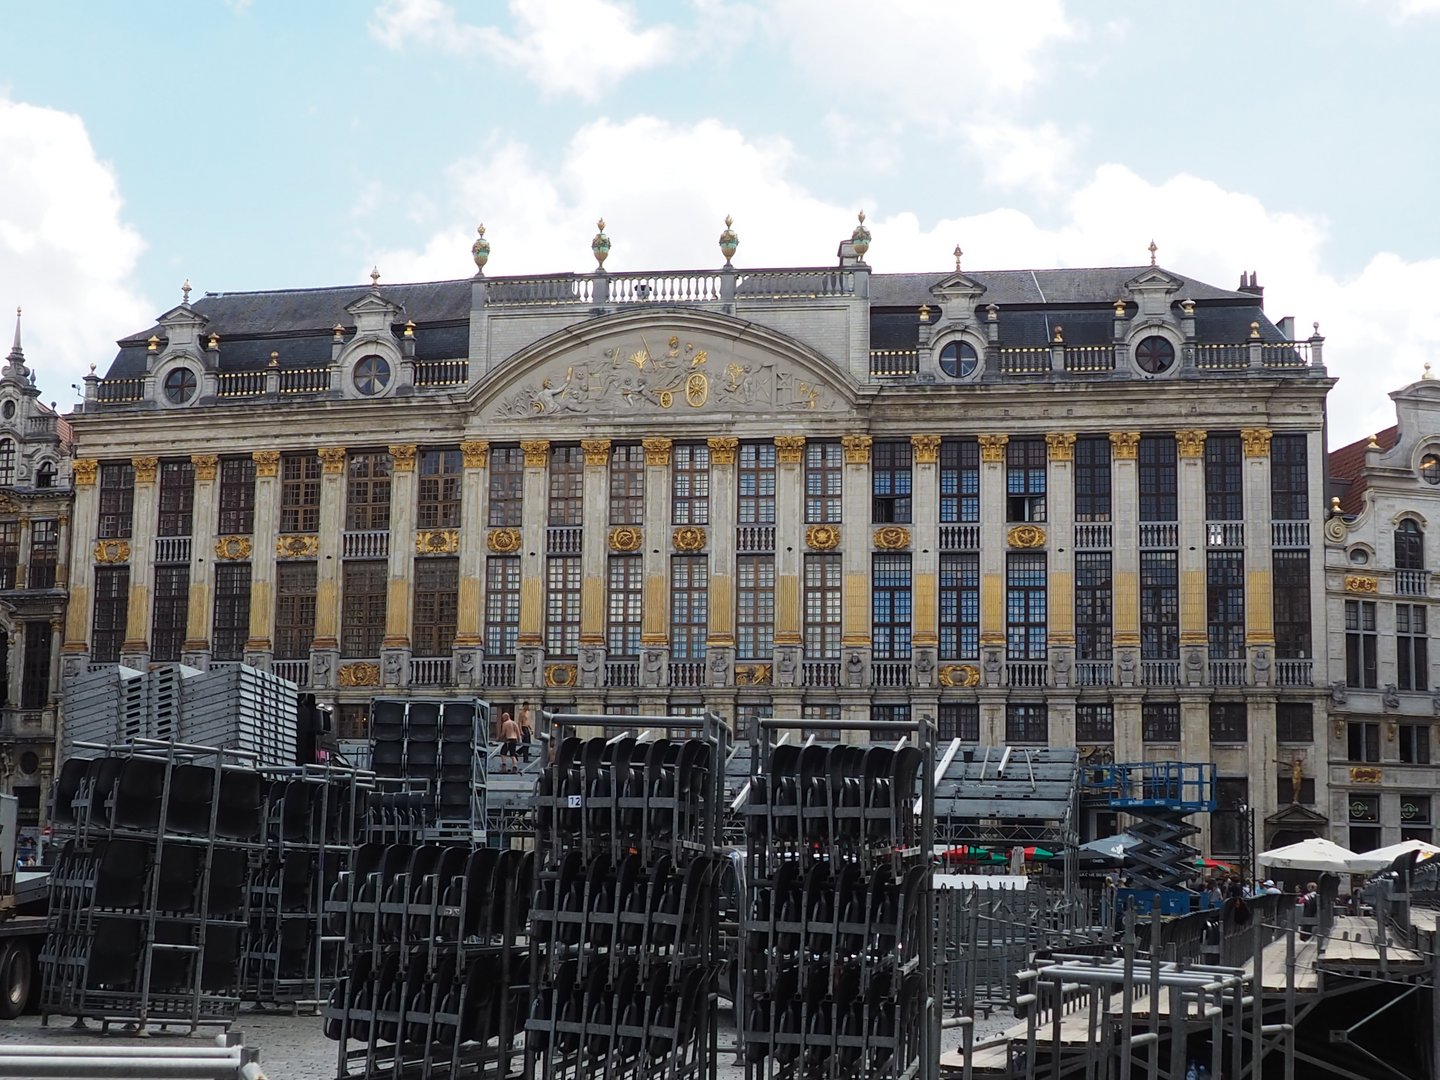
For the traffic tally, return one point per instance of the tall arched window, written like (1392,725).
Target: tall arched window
(7,461)
(1409,546)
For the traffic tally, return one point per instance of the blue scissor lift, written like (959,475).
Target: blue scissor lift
(1160,797)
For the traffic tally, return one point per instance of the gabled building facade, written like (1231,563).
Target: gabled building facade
(1057,506)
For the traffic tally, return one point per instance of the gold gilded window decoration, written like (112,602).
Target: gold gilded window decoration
(1256,441)
(657,450)
(1190,442)
(205,465)
(267,464)
(1124,445)
(561,675)
(145,469)
(476,453)
(1365,774)
(596,451)
(537,453)
(1026,536)
(926,449)
(689,538)
(822,537)
(297,547)
(626,538)
(892,538)
(992,447)
(1361,584)
(753,675)
(789,449)
(402,457)
(112,551)
(503,541)
(84,470)
(333,459)
(961,675)
(233,548)
(359,674)
(1061,445)
(437,541)
(722,449)
(857,449)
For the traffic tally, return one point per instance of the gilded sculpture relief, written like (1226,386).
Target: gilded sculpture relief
(636,377)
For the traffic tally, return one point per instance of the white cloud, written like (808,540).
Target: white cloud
(582,47)
(1013,156)
(540,217)
(66,255)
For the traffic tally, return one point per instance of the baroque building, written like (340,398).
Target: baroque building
(1054,506)
(34,546)
(1381,544)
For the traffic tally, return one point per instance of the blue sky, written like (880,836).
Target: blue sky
(269,144)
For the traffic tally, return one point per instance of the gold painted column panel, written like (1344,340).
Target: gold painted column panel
(474,501)
(262,569)
(204,519)
(142,557)
(81,559)
(536,501)
(1060,514)
(1194,633)
(594,542)
(723,521)
(402,530)
(654,619)
(328,562)
(1125,569)
(925,516)
(993,548)
(1259,594)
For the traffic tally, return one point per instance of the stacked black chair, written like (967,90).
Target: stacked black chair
(835,972)
(435,749)
(626,955)
(147,919)
(435,983)
(314,818)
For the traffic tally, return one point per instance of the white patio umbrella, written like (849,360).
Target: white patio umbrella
(1318,854)
(1394,851)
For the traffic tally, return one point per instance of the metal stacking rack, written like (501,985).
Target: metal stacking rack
(625,955)
(437,747)
(436,983)
(837,978)
(147,910)
(314,818)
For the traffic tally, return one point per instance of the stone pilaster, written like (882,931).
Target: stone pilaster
(1060,513)
(135,651)
(1194,638)
(855,546)
(1125,538)
(468,650)
(204,519)
(1259,594)
(789,565)
(993,547)
(654,619)
(530,651)
(724,491)
(82,571)
(925,568)
(325,648)
(395,647)
(258,648)
(594,557)
(22,560)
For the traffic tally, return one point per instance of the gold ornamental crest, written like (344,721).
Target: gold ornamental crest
(962,675)
(1026,536)
(503,541)
(753,675)
(561,675)
(297,547)
(892,538)
(689,538)
(112,551)
(437,542)
(626,538)
(822,537)
(359,675)
(233,548)
(1360,584)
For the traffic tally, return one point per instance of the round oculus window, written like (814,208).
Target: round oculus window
(1155,354)
(1359,556)
(180,385)
(9,410)
(29,763)
(958,359)
(371,375)
(1429,466)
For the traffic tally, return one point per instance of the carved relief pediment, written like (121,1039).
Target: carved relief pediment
(657,367)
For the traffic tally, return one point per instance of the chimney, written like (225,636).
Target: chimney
(1286,326)
(1252,286)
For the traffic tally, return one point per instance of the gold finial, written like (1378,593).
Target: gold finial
(1188,307)
(600,246)
(1120,308)
(480,250)
(729,240)
(1254,330)
(153,345)
(860,238)
(957,254)
(1374,443)
(337,332)
(409,328)
(924,313)
(1334,504)
(274,359)
(992,313)
(1059,334)
(214,341)
(375,277)
(185,291)
(1153,250)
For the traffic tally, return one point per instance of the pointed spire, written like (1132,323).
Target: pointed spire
(1153,250)
(185,293)
(16,350)
(15,362)
(375,277)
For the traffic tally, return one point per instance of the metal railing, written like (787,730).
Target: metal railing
(365,544)
(1290,534)
(1092,534)
(1159,534)
(430,671)
(1081,359)
(1285,354)
(1412,582)
(1160,672)
(959,537)
(1024,359)
(430,373)
(240,384)
(304,380)
(1226,357)
(755,538)
(114,391)
(1294,673)
(892,363)
(172,549)
(890,673)
(622,673)
(497,674)
(1027,674)
(1225,534)
(820,672)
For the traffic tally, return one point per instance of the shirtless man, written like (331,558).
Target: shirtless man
(509,740)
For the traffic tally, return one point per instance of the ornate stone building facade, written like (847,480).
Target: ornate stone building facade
(1381,548)
(1066,506)
(34,549)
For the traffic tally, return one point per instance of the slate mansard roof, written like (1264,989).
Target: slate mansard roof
(297,323)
